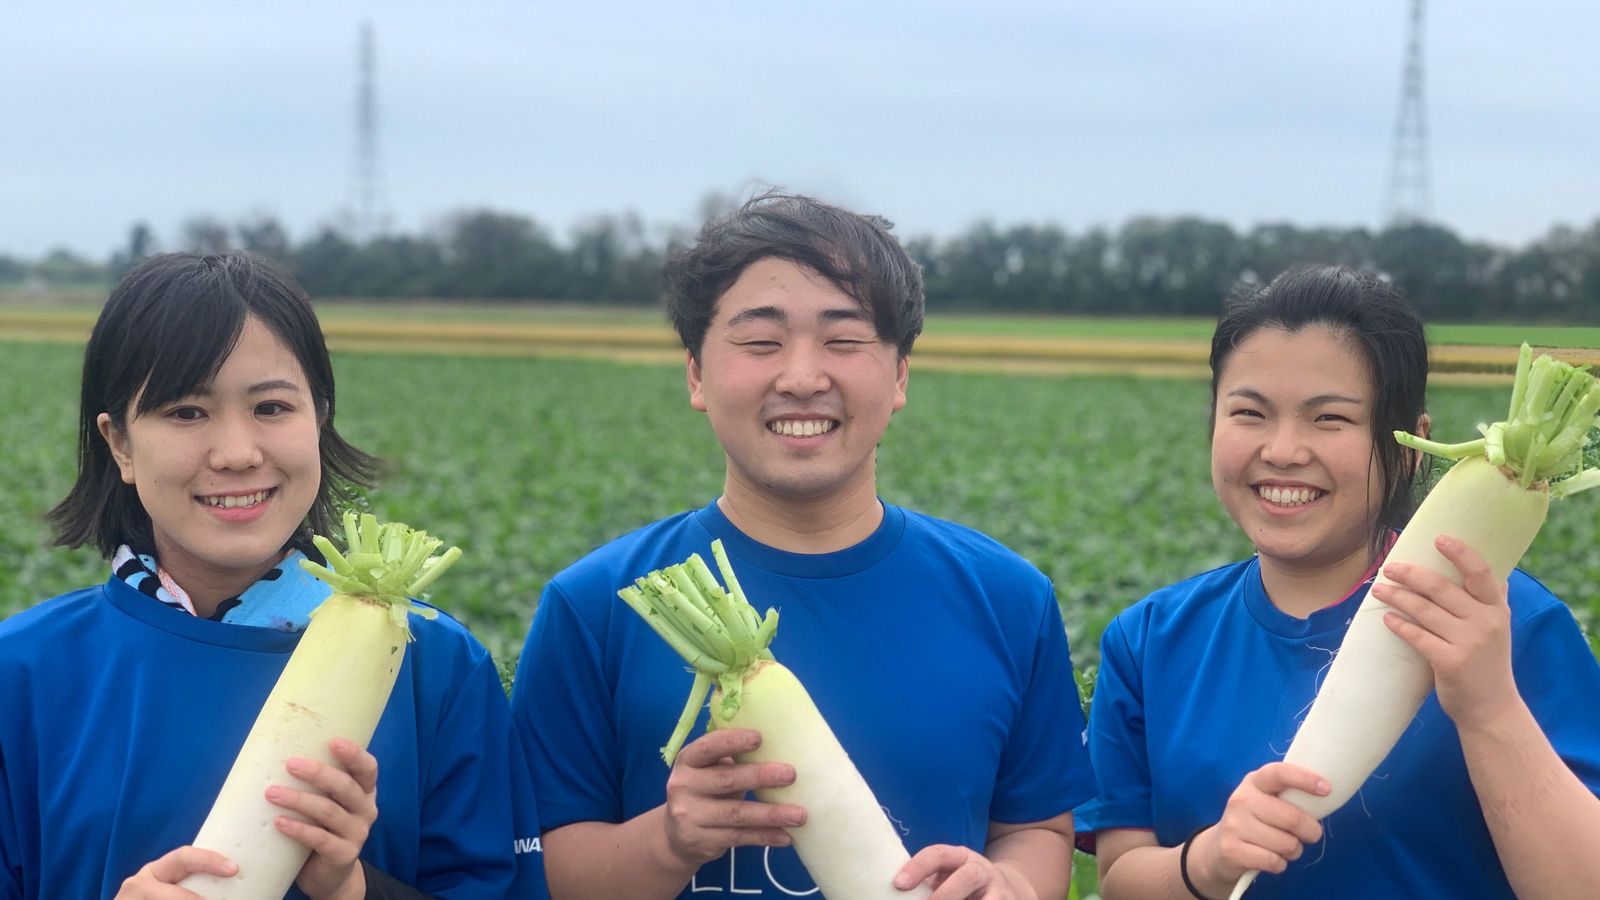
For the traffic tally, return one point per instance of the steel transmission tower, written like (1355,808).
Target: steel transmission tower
(368,218)
(1410,197)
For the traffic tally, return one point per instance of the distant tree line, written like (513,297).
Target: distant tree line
(1147,266)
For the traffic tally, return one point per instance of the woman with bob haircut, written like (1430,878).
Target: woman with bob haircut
(1491,791)
(207,456)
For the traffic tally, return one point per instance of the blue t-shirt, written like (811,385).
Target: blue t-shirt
(1205,681)
(937,656)
(120,718)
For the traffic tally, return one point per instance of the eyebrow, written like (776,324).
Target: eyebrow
(277,384)
(775,314)
(1318,400)
(260,387)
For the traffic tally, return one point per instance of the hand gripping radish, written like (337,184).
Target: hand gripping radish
(335,685)
(847,843)
(1494,499)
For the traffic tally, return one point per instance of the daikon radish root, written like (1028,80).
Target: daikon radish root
(847,843)
(335,685)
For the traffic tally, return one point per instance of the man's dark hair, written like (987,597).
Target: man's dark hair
(166,330)
(854,252)
(1388,333)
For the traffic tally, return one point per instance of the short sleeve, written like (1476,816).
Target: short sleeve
(1044,768)
(1559,679)
(466,842)
(1117,745)
(530,884)
(561,703)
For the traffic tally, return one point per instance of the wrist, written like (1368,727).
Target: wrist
(666,854)
(354,886)
(1492,716)
(1200,882)
(1016,882)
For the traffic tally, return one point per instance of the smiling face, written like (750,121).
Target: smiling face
(226,474)
(798,387)
(1292,452)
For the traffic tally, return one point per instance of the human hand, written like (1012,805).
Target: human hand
(1258,831)
(706,809)
(958,873)
(1463,631)
(159,879)
(334,818)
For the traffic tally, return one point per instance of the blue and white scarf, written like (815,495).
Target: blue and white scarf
(282,599)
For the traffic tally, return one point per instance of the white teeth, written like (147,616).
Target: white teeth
(1288,496)
(801,427)
(236,502)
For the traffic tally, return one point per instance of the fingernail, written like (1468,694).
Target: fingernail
(786,774)
(339,744)
(274,793)
(297,765)
(1323,786)
(902,881)
(794,819)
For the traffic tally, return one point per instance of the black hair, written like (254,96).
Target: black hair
(854,252)
(166,330)
(1388,332)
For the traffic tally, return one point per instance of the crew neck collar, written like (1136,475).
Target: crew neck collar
(836,564)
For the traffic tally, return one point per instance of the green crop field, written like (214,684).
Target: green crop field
(528,463)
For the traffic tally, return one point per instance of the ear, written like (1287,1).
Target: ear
(117,440)
(902,375)
(697,398)
(1423,427)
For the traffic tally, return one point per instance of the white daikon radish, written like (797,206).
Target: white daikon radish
(335,685)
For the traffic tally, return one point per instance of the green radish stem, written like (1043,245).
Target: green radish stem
(716,631)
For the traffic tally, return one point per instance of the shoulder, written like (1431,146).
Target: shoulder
(32,629)
(938,539)
(1182,603)
(595,578)
(445,637)
(1532,603)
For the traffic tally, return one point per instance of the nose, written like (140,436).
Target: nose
(805,372)
(235,444)
(1286,447)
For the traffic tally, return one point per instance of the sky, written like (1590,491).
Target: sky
(936,114)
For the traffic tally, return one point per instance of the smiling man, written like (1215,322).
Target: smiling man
(937,655)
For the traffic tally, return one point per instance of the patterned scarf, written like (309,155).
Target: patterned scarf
(282,599)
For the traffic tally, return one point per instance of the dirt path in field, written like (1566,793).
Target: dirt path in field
(1014,354)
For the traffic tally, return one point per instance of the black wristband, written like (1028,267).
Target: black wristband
(1183,863)
(383,886)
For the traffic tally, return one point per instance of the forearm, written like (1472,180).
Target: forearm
(1544,821)
(1036,861)
(1152,873)
(602,861)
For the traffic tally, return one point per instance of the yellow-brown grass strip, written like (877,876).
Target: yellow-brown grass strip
(633,342)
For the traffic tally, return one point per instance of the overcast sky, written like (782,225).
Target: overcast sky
(934,113)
